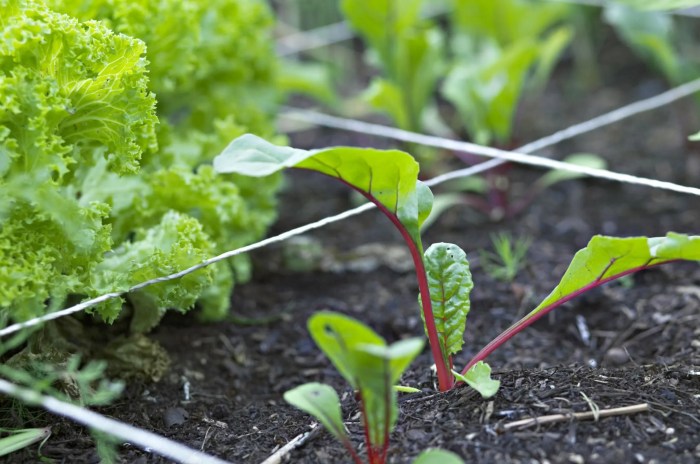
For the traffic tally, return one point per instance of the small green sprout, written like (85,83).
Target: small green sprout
(370,366)
(508,257)
(22,438)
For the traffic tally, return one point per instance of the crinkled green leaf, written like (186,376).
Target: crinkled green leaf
(82,156)
(71,93)
(438,456)
(387,177)
(603,260)
(450,282)
(223,50)
(67,84)
(479,378)
(322,402)
(177,243)
(367,363)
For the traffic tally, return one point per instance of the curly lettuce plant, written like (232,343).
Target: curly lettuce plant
(388,178)
(224,59)
(103,186)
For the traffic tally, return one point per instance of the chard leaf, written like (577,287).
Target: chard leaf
(438,456)
(603,260)
(321,401)
(486,89)
(479,378)
(450,283)
(649,34)
(338,336)
(386,177)
(369,365)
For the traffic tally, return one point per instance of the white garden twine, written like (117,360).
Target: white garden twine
(145,440)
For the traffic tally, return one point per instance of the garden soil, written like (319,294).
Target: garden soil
(634,342)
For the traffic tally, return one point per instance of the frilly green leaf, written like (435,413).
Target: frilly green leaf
(177,243)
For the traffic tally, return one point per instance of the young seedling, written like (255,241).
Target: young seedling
(603,260)
(372,369)
(18,439)
(388,178)
(507,258)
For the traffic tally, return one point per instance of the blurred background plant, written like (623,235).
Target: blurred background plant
(461,68)
(507,258)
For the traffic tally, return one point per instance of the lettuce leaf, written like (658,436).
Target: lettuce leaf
(72,93)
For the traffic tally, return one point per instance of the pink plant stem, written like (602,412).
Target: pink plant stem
(445,379)
(365,426)
(348,447)
(444,372)
(516,328)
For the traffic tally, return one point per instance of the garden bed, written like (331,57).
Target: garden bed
(627,343)
(642,345)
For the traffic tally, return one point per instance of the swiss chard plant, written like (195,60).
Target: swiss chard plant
(372,368)
(388,178)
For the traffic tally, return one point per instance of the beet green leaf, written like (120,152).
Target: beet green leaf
(368,364)
(603,260)
(479,378)
(386,177)
(450,283)
(321,401)
(438,456)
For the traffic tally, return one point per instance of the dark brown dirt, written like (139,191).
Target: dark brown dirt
(627,343)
